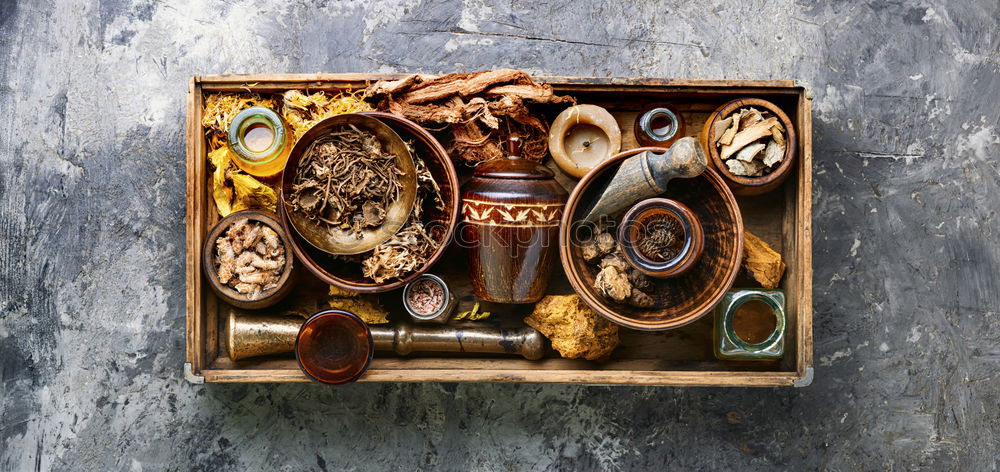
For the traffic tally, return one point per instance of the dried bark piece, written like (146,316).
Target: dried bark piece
(575,330)
(747,136)
(777,134)
(763,263)
(720,127)
(463,85)
(746,169)
(774,153)
(750,117)
(751,151)
(727,137)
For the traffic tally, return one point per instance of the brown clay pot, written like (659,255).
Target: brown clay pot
(742,185)
(511,210)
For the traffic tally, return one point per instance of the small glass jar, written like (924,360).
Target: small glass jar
(442,313)
(750,325)
(259,138)
(658,127)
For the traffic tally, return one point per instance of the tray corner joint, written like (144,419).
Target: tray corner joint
(190,376)
(806,379)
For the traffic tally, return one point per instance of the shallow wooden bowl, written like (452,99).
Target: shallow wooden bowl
(345,271)
(679,300)
(742,185)
(227,293)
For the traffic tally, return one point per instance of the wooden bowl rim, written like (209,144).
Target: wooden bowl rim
(565,250)
(790,142)
(230,295)
(326,277)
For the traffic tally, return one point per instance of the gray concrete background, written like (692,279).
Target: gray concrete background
(907,326)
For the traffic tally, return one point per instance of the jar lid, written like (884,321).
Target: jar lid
(513,167)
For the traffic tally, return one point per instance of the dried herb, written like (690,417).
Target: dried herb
(346,180)
(411,247)
(660,240)
(472,315)
(249,258)
(302,111)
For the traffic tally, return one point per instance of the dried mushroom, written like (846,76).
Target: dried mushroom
(249,258)
(346,180)
(751,142)
(575,330)
(615,279)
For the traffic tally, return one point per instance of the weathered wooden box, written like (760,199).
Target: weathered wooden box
(681,356)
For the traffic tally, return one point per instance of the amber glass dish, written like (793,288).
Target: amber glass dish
(334,347)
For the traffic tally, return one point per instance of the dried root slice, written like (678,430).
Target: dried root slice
(721,127)
(774,153)
(748,153)
(727,137)
(747,136)
(746,169)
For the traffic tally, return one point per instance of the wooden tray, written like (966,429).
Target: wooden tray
(681,356)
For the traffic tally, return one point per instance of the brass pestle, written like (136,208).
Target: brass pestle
(262,335)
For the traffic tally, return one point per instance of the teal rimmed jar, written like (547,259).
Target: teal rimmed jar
(750,324)
(259,139)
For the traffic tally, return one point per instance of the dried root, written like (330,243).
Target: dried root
(482,109)
(249,258)
(616,280)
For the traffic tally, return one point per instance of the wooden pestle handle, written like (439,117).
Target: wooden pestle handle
(404,338)
(684,159)
(646,175)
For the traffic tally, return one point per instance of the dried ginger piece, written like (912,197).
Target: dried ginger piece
(764,263)
(575,330)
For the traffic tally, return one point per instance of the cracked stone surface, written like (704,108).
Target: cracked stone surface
(906,253)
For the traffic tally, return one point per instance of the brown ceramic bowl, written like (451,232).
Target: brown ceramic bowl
(345,272)
(645,213)
(679,300)
(334,347)
(227,293)
(742,185)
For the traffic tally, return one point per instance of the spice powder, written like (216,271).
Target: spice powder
(426,296)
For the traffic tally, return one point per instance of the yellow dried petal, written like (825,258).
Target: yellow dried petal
(251,193)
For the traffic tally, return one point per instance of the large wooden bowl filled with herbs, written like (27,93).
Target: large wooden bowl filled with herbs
(415,247)
(650,303)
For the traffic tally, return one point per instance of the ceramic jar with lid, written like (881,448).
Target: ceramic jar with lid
(511,210)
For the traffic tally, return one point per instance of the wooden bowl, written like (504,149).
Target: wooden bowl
(345,242)
(227,293)
(642,215)
(345,272)
(743,185)
(679,300)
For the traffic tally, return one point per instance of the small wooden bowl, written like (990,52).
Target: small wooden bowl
(640,216)
(743,185)
(227,293)
(678,300)
(346,274)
